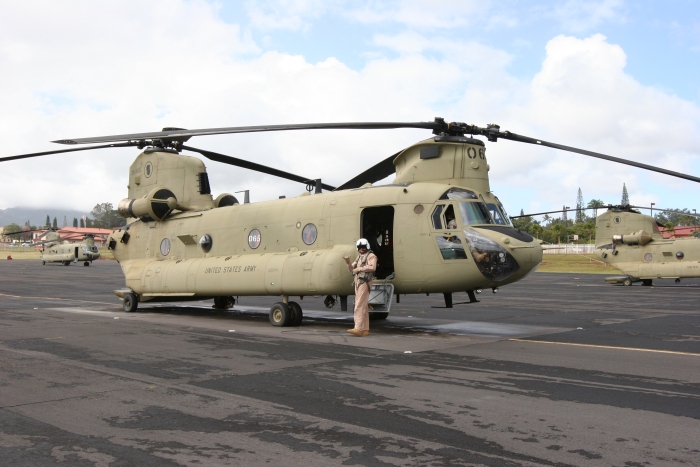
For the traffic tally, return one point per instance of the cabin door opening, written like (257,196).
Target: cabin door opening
(76,252)
(377,226)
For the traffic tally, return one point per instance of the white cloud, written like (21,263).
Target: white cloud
(583,15)
(421,14)
(292,15)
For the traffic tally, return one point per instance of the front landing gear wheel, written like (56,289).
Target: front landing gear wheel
(86,263)
(647,282)
(297,314)
(627,281)
(131,302)
(280,314)
(66,263)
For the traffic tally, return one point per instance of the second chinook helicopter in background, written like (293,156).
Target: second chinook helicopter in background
(632,242)
(437,228)
(58,249)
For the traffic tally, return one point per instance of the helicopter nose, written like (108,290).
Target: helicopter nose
(503,254)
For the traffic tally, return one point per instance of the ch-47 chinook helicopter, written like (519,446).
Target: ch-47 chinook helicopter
(632,242)
(57,249)
(180,243)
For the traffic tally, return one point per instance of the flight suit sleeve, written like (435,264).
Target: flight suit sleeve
(371,265)
(353,265)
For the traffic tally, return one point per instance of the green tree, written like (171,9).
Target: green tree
(105,216)
(670,227)
(82,223)
(13,231)
(580,214)
(55,223)
(595,204)
(48,221)
(625,196)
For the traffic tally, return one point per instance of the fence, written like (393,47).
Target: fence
(567,249)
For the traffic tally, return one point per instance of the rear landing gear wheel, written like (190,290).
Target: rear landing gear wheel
(131,302)
(678,281)
(280,314)
(378,315)
(86,263)
(297,314)
(647,282)
(627,281)
(43,263)
(66,263)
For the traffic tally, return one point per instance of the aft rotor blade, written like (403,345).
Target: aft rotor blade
(525,139)
(680,213)
(373,174)
(215,156)
(46,153)
(184,135)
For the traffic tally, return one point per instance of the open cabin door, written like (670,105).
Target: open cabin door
(377,226)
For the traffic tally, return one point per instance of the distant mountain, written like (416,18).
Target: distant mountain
(37,216)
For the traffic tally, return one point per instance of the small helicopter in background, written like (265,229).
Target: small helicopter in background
(437,228)
(58,249)
(632,242)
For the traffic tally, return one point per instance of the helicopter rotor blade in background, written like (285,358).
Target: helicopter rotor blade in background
(46,153)
(548,212)
(215,156)
(372,175)
(609,206)
(183,135)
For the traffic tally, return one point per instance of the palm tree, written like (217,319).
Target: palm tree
(595,204)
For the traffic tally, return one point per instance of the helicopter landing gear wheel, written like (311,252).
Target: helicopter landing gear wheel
(678,280)
(131,302)
(224,303)
(297,314)
(627,281)
(86,263)
(43,263)
(280,314)
(647,282)
(66,263)
(378,315)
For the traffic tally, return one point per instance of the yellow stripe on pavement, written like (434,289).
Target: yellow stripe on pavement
(607,347)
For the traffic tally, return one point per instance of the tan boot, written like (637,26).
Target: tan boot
(364,333)
(355,332)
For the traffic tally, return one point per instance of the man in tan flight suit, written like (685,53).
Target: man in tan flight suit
(363,269)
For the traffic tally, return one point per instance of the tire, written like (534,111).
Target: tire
(378,315)
(280,314)
(86,263)
(647,282)
(297,314)
(221,303)
(43,263)
(66,263)
(627,281)
(131,302)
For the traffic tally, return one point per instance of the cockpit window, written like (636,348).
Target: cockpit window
(506,217)
(474,213)
(451,247)
(496,214)
(459,193)
(450,221)
(437,218)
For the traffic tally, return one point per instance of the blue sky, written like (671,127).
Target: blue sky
(613,76)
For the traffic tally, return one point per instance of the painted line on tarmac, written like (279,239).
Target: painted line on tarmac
(54,298)
(608,347)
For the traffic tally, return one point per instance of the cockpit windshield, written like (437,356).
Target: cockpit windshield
(459,193)
(499,216)
(474,213)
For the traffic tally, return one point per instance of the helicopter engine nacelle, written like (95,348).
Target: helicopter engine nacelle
(637,238)
(225,199)
(156,205)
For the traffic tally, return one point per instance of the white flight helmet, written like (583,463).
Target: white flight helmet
(362,242)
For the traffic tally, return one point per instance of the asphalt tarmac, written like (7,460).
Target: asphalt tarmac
(558,369)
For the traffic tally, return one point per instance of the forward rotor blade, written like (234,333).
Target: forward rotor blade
(46,153)
(184,135)
(548,212)
(525,139)
(373,174)
(215,156)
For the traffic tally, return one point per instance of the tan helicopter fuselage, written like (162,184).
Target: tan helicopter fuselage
(268,248)
(640,251)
